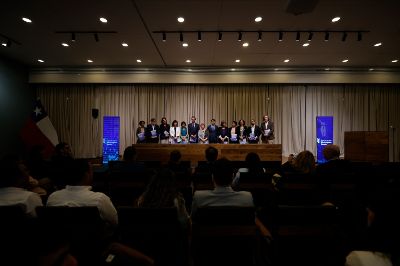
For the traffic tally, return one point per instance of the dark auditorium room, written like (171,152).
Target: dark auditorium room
(199,132)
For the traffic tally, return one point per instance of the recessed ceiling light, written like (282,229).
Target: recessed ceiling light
(237,60)
(335,19)
(188,61)
(185,44)
(65,44)
(90,61)
(4,44)
(258,19)
(189,69)
(286,60)
(395,61)
(276,69)
(371,69)
(40,61)
(104,20)
(306,44)
(345,60)
(377,44)
(245,44)
(27,20)
(124,44)
(327,69)
(181,19)
(233,69)
(139,60)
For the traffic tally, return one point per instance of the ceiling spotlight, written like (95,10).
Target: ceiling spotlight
(181,37)
(335,19)
(40,61)
(27,20)
(345,60)
(326,36)
(310,35)
(395,61)
(90,61)
(4,44)
(185,44)
(139,60)
(246,44)
(359,36)
(239,36)
(164,37)
(344,37)
(104,20)
(233,69)
(65,44)
(237,60)
(199,36)
(259,36)
(258,19)
(306,44)
(181,19)
(188,61)
(280,36)
(124,44)
(371,69)
(298,36)
(219,36)
(378,44)
(327,69)
(286,60)
(96,37)
(73,37)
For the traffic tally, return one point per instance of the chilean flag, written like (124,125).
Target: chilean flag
(39,130)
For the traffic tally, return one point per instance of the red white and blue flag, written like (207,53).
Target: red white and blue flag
(39,130)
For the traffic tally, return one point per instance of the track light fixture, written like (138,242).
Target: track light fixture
(96,37)
(326,36)
(219,36)
(74,33)
(73,37)
(344,37)
(359,36)
(259,36)
(298,36)
(181,37)
(310,36)
(240,36)
(199,36)
(164,37)
(280,38)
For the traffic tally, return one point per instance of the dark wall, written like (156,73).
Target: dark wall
(15,104)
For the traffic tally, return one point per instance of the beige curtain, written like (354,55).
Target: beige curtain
(293,109)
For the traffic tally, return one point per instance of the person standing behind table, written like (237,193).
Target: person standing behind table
(223,133)
(242,129)
(164,131)
(233,133)
(193,128)
(152,131)
(203,134)
(267,129)
(174,133)
(184,133)
(253,133)
(212,132)
(141,133)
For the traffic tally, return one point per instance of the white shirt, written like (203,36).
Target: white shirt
(172,132)
(221,196)
(13,196)
(82,196)
(367,258)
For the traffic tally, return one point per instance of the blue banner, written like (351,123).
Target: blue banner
(110,138)
(324,135)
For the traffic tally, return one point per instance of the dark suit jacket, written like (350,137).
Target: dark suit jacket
(162,129)
(212,134)
(192,130)
(149,128)
(270,126)
(230,135)
(257,132)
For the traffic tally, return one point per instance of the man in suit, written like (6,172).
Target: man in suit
(193,129)
(253,133)
(152,131)
(267,130)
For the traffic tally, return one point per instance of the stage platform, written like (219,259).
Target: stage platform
(196,152)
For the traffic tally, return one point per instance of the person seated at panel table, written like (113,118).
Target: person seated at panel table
(184,133)
(164,131)
(233,133)
(253,133)
(212,132)
(174,133)
(242,129)
(203,134)
(141,133)
(152,132)
(193,128)
(223,132)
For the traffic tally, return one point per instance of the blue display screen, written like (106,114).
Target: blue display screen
(324,135)
(111,127)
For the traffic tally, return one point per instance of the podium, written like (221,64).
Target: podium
(366,146)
